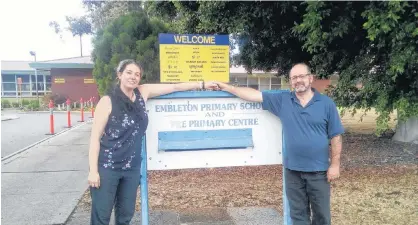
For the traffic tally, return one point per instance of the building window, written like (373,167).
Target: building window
(40,78)
(25,78)
(24,87)
(264,83)
(239,81)
(25,93)
(276,83)
(9,86)
(40,86)
(28,87)
(12,94)
(253,82)
(8,78)
(48,86)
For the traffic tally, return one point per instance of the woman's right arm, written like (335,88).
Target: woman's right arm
(101,115)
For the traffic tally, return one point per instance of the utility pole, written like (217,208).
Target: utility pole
(32,53)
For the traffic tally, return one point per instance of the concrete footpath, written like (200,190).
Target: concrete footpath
(43,185)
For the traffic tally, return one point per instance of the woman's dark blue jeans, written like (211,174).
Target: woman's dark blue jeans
(118,189)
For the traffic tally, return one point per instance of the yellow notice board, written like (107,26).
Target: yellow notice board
(192,57)
(59,80)
(88,80)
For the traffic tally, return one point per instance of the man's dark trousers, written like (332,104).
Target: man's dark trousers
(308,192)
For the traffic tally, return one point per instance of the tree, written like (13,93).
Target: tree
(132,36)
(371,43)
(102,13)
(77,26)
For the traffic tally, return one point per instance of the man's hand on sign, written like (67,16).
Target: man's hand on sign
(211,85)
(220,85)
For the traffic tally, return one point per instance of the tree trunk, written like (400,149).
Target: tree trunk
(81,47)
(407,131)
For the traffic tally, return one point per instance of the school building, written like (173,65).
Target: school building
(69,78)
(72,78)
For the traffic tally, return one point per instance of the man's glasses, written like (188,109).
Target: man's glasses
(301,76)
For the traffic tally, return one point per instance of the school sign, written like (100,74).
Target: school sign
(205,129)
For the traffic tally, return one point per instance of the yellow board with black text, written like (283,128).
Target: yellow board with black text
(188,58)
(59,80)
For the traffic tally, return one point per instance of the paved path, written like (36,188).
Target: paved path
(30,128)
(44,184)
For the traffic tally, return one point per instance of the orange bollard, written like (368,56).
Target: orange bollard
(51,117)
(68,113)
(82,110)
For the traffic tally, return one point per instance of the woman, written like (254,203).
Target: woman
(115,146)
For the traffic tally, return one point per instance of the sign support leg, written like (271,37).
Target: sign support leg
(144,184)
(286,211)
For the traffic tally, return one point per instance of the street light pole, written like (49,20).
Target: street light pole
(32,53)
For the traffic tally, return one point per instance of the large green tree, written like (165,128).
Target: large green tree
(369,43)
(132,36)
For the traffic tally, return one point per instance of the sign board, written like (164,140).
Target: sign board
(88,80)
(59,80)
(210,129)
(193,57)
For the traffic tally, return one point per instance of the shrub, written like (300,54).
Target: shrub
(25,102)
(5,103)
(56,98)
(15,105)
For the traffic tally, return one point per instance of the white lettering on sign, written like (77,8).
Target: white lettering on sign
(214,114)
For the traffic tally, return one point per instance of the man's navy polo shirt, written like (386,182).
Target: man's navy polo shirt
(307,130)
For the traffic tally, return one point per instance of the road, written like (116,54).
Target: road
(30,128)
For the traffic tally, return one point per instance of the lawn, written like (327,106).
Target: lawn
(363,122)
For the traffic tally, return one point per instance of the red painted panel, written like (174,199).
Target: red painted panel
(74,86)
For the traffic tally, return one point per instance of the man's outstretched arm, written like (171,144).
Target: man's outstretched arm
(248,94)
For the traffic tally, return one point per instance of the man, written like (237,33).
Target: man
(309,121)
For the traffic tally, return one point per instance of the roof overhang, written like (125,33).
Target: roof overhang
(38,65)
(30,72)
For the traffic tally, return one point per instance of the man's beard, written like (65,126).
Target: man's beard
(301,87)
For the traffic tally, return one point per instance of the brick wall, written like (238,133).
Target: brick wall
(73,85)
(321,85)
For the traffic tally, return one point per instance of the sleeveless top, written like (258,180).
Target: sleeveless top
(121,142)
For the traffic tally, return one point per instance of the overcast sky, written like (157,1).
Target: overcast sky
(25,27)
